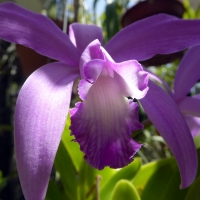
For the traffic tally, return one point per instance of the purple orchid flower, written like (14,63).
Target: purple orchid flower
(103,121)
(186,77)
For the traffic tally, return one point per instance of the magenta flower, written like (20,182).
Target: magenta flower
(186,77)
(103,121)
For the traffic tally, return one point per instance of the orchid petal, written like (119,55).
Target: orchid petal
(190,106)
(135,77)
(150,36)
(92,70)
(169,122)
(188,72)
(40,117)
(193,124)
(37,32)
(102,124)
(81,35)
(92,52)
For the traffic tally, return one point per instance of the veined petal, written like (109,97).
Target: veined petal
(37,32)
(40,117)
(81,35)
(188,72)
(166,117)
(159,34)
(102,124)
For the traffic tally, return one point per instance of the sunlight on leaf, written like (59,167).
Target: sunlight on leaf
(162,175)
(127,173)
(68,173)
(72,147)
(124,190)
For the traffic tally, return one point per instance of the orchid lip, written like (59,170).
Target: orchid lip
(103,122)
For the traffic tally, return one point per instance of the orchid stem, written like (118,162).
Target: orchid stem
(95,187)
(91,190)
(98,178)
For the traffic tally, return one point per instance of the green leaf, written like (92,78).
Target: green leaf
(127,173)
(124,190)
(197,141)
(68,173)
(198,153)
(86,180)
(72,148)
(159,180)
(190,12)
(112,20)
(195,185)
(54,192)
(193,193)
(3,181)
(88,177)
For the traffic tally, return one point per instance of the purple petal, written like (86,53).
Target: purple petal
(95,60)
(102,124)
(135,77)
(37,32)
(92,70)
(193,124)
(40,117)
(190,106)
(159,34)
(188,72)
(169,122)
(81,35)
(92,52)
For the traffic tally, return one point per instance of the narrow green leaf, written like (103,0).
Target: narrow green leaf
(72,148)
(198,153)
(112,20)
(3,181)
(127,173)
(197,141)
(159,180)
(194,191)
(68,173)
(86,180)
(124,190)
(54,192)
